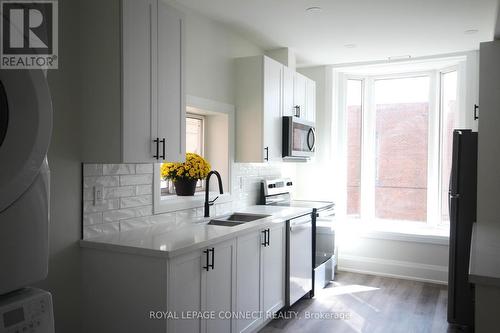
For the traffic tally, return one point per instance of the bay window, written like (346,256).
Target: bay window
(397,141)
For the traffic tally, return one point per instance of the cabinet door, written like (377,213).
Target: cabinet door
(219,288)
(184,290)
(311,100)
(299,93)
(171,125)
(248,297)
(138,80)
(272,110)
(288,102)
(273,270)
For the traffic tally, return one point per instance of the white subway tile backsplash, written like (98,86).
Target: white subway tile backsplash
(119,192)
(141,200)
(136,179)
(134,223)
(163,218)
(92,169)
(100,229)
(126,213)
(118,169)
(89,207)
(144,189)
(92,218)
(128,196)
(106,181)
(187,214)
(143,168)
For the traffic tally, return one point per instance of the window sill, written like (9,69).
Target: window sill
(395,230)
(173,203)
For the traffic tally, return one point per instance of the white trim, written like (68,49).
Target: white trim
(174,203)
(394,268)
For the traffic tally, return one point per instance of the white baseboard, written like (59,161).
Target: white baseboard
(394,268)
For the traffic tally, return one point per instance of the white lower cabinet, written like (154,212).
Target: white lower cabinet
(201,283)
(201,291)
(273,270)
(260,276)
(248,279)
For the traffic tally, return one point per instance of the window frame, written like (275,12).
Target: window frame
(200,186)
(368,141)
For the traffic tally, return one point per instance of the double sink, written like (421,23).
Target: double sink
(236,219)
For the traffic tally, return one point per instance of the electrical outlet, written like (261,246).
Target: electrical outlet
(98,194)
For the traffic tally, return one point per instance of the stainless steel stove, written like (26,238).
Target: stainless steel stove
(278,192)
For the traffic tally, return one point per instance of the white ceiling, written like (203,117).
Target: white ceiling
(379,28)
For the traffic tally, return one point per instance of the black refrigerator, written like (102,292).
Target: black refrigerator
(462,208)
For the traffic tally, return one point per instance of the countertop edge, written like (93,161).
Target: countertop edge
(127,249)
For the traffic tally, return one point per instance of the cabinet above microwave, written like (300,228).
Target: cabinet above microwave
(267,91)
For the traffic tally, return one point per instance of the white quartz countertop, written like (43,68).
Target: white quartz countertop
(485,254)
(164,240)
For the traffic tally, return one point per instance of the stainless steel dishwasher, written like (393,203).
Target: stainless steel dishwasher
(299,258)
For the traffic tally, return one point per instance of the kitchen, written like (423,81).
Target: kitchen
(293,134)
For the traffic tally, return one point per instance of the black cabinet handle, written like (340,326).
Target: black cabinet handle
(207,266)
(163,142)
(297,111)
(476,107)
(212,265)
(265,239)
(268,242)
(157,141)
(267,153)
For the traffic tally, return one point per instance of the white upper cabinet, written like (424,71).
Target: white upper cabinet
(266,91)
(288,92)
(258,109)
(304,97)
(310,112)
(299,95)
(133,82)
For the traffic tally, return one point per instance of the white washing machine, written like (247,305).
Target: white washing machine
(25,131)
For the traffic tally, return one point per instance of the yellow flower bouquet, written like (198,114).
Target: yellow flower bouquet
(185,175)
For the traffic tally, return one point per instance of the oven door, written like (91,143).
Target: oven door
(299,138)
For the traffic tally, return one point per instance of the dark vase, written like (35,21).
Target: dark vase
(185,187)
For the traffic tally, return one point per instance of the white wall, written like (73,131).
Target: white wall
(64,160)
(210,50)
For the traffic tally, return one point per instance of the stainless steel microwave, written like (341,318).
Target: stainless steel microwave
(299,138)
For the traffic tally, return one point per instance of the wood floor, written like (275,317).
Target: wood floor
(358,303)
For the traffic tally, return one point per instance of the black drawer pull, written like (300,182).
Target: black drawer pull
(212,265)
(207,267)
(163,142)
(157,141)
(264,232)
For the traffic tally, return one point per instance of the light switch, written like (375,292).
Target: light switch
(98,194)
